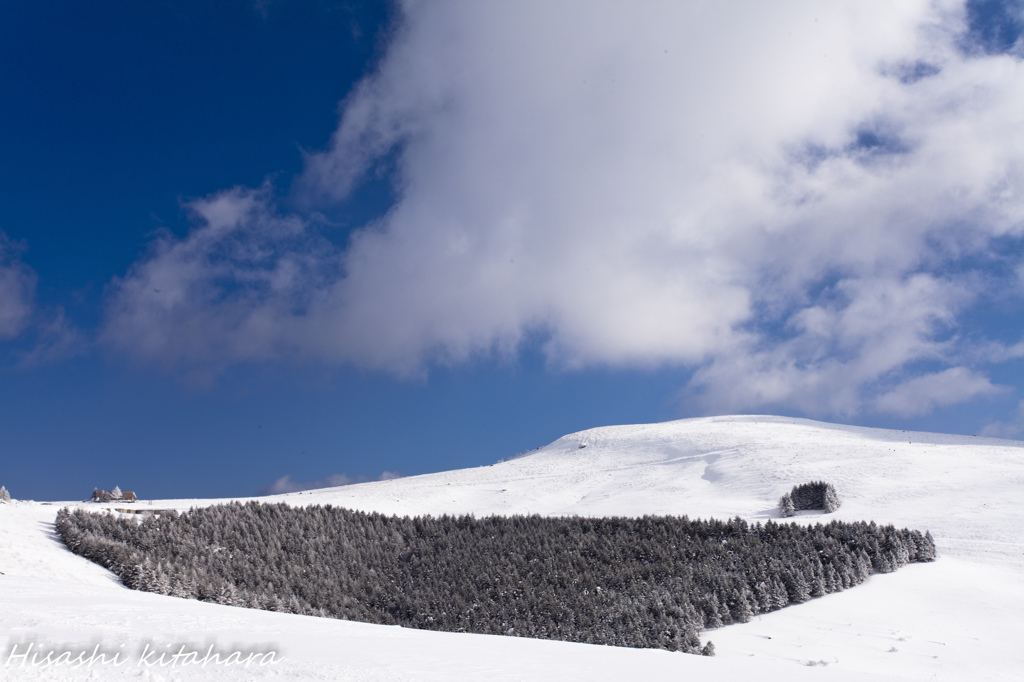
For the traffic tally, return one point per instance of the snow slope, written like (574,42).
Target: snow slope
(954,619)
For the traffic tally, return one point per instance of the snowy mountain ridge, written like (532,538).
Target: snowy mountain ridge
(965,489)
(948,620)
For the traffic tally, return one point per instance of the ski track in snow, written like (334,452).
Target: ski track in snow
(954,619)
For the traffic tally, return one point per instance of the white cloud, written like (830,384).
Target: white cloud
(236,289)
(922,394)
(755,190)
(840,351)
(285,484)
(1011,429)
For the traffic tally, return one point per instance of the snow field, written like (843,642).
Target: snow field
(954,619)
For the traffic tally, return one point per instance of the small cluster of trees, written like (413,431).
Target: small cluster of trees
(4,495)
(814,495)
(638,582)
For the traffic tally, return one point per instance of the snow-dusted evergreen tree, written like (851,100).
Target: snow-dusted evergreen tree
(102,495)
(797,587)
(786,508)
(115,494)
(925,545)
(4,495)
(741,609)
(831,499)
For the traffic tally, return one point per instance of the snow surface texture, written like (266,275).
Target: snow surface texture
(954,619)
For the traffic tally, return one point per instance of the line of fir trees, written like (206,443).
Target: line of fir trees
(637,582)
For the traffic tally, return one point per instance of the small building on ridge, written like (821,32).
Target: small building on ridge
(115,495)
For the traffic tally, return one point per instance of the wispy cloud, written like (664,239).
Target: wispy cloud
(55,339)
(38,334)
(17,290)
(285,484)
(238,288)
(1012,428)
(792,200)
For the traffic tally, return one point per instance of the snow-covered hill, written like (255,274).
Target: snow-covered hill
(953,619)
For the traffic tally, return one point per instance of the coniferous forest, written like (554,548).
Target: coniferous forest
(637,582)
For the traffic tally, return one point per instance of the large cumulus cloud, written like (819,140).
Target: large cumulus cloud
(798,200)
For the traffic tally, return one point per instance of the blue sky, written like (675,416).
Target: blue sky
(334,241)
